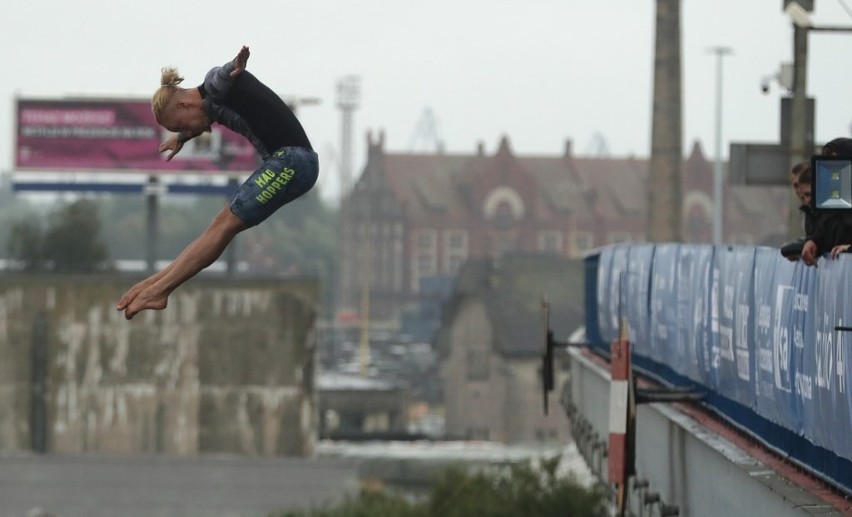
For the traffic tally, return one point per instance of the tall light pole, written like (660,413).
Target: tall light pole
(801,140)
(718,203)
(348,98)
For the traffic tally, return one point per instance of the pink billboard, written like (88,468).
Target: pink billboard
(84,135)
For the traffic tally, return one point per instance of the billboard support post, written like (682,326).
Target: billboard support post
(232,250)
(152,222)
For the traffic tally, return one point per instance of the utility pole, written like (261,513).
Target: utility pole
(801,144)
(718,201)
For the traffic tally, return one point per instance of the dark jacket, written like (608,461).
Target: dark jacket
(830,229)
(793,249)
(808,214)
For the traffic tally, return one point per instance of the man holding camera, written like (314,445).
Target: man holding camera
(832,232)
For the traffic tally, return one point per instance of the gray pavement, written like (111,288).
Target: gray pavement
(98,486)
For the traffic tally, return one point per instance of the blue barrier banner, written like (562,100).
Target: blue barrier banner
(665,309)
(638,286)
(828,410)
(745,323)
(608,307)
(843,365)
(733,362)
(613,284)
(773,302)
(801,325)
(695,269)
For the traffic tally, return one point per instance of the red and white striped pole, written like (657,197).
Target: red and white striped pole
(619,399)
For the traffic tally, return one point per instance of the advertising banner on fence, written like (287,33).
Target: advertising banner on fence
(746,323)
(115,135)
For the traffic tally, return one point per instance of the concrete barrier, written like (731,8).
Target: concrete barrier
(681,465)
(226,368)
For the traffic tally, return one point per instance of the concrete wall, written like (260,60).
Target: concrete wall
(227,367)
(688,465)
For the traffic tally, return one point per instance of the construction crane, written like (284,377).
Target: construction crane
(427,134)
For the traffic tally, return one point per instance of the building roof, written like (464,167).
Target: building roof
(561,191)
(610,189)
(619,184)
(428,184)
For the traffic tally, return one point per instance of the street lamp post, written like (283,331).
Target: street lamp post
(801,142)
(801,137)
(718,203)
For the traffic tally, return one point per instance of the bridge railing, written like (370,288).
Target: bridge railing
(757,332)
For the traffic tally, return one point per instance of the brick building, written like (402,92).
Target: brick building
(412,220)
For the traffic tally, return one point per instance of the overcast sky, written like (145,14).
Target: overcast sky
(538,71)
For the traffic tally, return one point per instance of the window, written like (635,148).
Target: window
(456,239)
(504,217)
(424,257)
(426,240)
(550,242)
(398,262)
(425,264)
(583,242)
(455,250)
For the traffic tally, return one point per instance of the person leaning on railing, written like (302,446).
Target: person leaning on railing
(800,180)
(832,233)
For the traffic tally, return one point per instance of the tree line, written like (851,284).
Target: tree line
(89,233)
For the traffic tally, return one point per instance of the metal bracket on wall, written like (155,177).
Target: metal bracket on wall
(674,394)
(550,344)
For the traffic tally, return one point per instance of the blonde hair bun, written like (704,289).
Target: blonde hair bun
(170,77)
(169,82)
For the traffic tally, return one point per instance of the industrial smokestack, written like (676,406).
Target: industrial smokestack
(664,191)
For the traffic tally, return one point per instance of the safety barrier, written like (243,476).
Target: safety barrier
(761,335)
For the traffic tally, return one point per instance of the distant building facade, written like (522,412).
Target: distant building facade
(491,343)
(412,220)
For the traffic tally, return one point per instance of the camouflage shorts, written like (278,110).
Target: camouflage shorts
(284,176)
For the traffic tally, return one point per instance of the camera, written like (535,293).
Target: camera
(831,183)
(793,248)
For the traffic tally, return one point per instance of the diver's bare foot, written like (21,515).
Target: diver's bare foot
(136,301)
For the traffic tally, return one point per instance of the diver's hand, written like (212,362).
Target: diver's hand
(240,61)
(173,144)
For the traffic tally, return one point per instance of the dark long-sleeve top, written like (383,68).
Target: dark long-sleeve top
(250,108)
(829,229)
(808,218)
